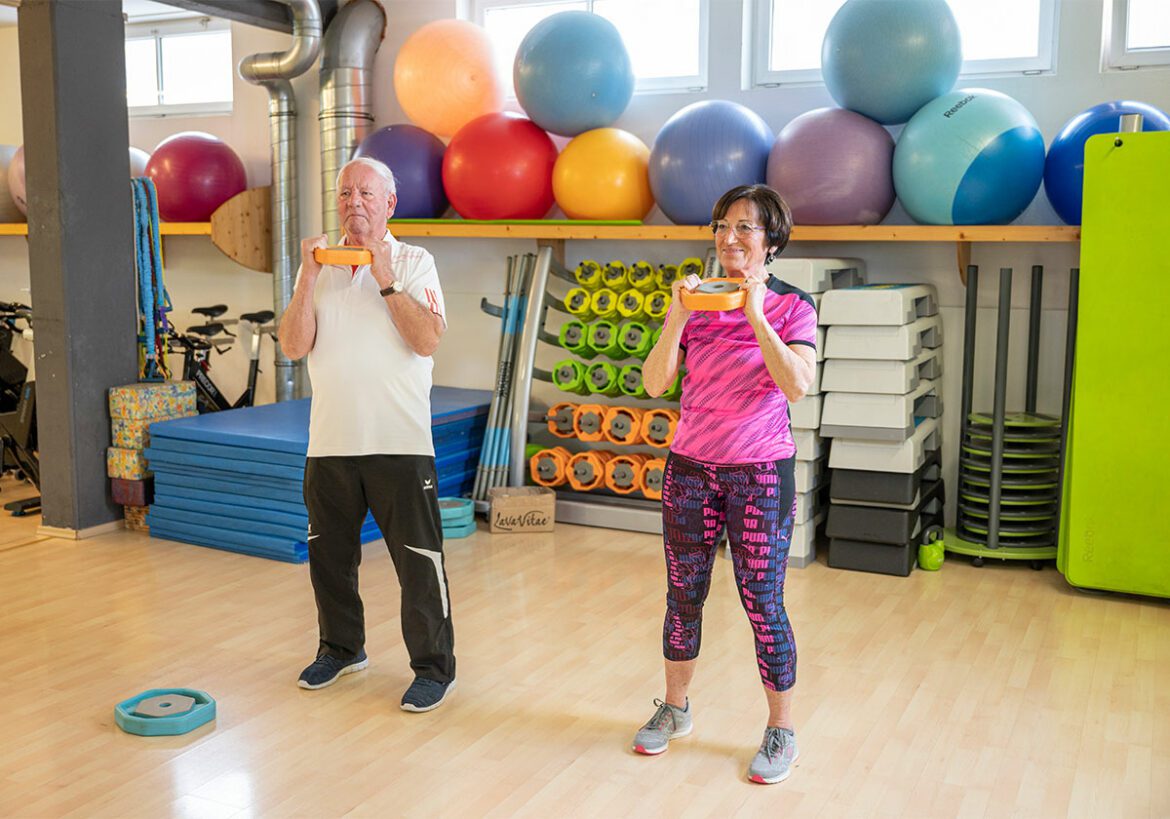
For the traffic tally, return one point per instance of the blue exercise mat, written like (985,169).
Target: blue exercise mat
(284,427)
(234,480)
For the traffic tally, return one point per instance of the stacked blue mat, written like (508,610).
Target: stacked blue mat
(233,480)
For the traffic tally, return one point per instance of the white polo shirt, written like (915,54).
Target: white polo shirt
(371,392)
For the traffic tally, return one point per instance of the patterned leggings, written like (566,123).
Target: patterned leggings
(757,503)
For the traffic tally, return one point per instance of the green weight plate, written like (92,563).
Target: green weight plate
(1011,515)
(1015,481)
(1020,420)
(1007,453)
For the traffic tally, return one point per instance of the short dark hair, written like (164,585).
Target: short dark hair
(775,216)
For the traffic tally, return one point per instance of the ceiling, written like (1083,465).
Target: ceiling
(135,10)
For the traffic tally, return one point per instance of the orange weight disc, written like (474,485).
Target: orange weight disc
(589,421)
(550,467)
(621,473)
(560,419)
(622,425)
(650,478)
(658,427)
(587,469)
(714,294)
(342,254)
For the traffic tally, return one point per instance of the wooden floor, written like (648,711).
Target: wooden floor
(969,692)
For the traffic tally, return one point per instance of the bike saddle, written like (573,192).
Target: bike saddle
(211,312)
(260,317)
(207,330)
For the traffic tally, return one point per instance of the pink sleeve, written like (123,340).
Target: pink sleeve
(800,324)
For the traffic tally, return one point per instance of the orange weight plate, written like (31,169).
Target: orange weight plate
(587,469)
(714,294)
(342,254)
(589,421)
(550,467)
(622,425)
(621,473)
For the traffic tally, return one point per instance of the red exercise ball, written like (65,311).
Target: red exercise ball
(195,173)
(500,166)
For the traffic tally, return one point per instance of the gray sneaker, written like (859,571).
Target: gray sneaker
(667,723)
(774,760)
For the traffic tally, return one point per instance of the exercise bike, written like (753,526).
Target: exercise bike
(197,343)
(18,402)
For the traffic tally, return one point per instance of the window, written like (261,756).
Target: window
(1137,34)
(999,37)
(666,39)
(179,68)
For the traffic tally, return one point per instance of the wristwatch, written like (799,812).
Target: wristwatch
(394,287)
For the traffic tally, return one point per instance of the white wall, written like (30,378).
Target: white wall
(198,274)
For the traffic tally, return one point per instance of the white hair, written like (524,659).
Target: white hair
(380,168)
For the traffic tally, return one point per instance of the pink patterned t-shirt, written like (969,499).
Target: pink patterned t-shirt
(732,411)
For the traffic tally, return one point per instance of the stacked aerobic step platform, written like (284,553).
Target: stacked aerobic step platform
(233,480)
(458,516)
(882,407)
(814,276)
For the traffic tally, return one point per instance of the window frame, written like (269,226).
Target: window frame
(1115,55)
(757,74)
(693,83)
(160,29)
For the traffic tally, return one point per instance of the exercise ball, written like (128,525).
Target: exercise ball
(12,204)
(1064,169)
(138,160)
(416,158)
(445,76)
(500,166)
(572,73)
(834,167)
(604,174)
(885,59)
(194,173)
(970,157)
(703,151)
(12,186)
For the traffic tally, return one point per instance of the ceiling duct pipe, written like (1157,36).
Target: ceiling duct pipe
(273,71)
(347,60)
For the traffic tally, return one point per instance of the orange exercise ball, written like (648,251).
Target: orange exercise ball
(604,174)
(445,76)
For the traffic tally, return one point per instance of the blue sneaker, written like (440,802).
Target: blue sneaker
(326,669)
(426,694)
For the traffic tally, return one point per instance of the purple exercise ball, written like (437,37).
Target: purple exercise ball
(416,158)
(834,167)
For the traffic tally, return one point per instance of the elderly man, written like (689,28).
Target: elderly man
(369,331)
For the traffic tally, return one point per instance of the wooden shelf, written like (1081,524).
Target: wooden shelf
(165,229)
(804,233)
(677,233)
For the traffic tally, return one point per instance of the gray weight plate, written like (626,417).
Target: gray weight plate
(164,705)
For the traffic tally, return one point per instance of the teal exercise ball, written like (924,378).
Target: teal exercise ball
(970,157)
(885,59)
(573,74)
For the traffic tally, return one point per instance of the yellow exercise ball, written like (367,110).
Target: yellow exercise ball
(445,76)
(604,174)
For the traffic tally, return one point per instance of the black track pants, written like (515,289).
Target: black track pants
(401,492)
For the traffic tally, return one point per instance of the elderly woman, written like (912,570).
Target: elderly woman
(731,464)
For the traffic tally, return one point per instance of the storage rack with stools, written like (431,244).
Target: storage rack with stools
(1009,462)
(814,276)
(881,408)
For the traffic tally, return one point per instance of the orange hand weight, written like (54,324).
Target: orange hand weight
(714,294)
(342,254)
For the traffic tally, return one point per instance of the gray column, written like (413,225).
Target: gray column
(81,243)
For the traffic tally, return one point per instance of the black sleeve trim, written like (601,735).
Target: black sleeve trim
(801,341)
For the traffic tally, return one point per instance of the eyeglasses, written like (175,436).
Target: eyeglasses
(742,229)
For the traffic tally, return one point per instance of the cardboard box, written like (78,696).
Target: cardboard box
(521,509)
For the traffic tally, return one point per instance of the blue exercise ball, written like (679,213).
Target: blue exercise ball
(885,59)
(970,157)
(416,158)
(1064,169)
(572,73)
(703,151)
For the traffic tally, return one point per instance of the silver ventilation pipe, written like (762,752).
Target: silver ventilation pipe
(273,71)
(347,59)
